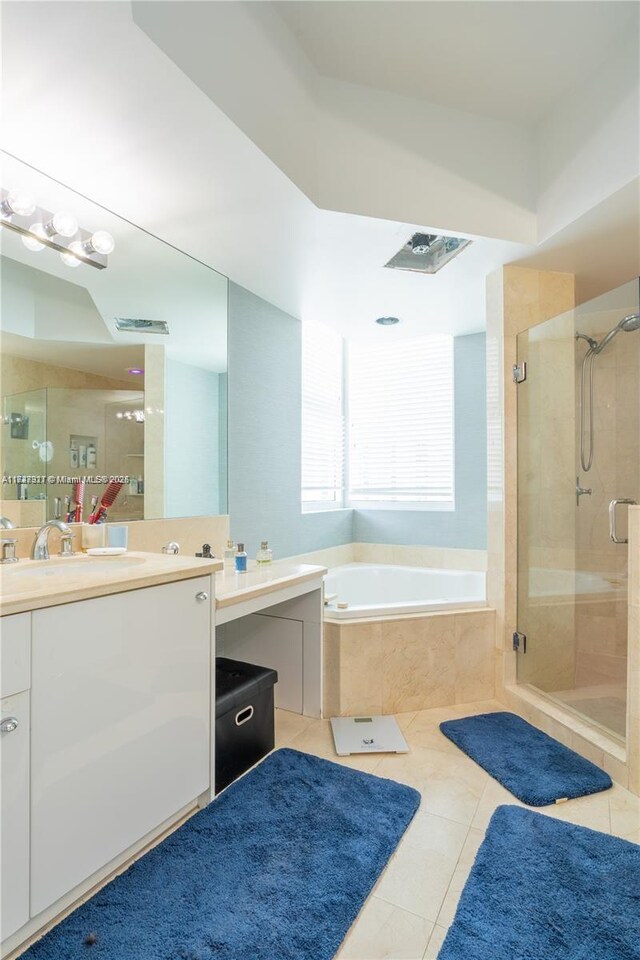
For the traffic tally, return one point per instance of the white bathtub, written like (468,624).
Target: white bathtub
(377,590)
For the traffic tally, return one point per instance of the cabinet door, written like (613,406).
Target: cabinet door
(14,813)
(120,726)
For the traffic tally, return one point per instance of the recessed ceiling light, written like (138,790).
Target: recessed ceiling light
(136,371)
(388,321)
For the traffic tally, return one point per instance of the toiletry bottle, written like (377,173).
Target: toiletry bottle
(265,554)
(74,457)
(229,556)
(92,456)
(241,559)
(133,485)
(140,485)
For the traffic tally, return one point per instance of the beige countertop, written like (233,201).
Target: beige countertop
(20,592)
(232,587)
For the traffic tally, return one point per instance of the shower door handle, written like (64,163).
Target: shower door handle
(612,518)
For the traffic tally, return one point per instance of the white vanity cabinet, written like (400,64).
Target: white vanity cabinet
(120,714)
(14,771)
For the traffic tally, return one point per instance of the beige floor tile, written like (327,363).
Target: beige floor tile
(418,876)
(425,732)
(625,812)
(435,942)
(460,876)
(289,725)
(590,812)
(633,837)
(494,795)
(451,786)
(404,719)
(386,932)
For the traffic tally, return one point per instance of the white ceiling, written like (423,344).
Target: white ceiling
(143,140)
(508,60)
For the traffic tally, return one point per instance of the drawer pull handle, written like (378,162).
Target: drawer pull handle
(8,725)
(202,595)
(244,716)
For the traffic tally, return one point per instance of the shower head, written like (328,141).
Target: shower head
(632,322)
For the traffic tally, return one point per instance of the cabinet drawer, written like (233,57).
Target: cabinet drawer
(16,654)
(14,813)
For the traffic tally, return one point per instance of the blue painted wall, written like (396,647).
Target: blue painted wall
(264,409)
(264,455)
(192,423)
(466,526)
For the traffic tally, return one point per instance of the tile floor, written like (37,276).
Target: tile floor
(413,903)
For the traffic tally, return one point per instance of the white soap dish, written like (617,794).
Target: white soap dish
(106,551)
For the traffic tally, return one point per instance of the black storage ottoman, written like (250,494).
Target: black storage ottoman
(244,717)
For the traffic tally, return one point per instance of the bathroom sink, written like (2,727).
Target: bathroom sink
(67,568)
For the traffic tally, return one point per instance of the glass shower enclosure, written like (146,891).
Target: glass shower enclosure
(578,469)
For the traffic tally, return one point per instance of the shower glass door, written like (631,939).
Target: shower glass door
(578,450)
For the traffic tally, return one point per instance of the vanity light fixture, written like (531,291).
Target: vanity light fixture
(16,202)
(40,228)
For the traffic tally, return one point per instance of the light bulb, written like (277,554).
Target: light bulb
(64,224)
(102,242)
(19,203)
(30,242)
(70,259)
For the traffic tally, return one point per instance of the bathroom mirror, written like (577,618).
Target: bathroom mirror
(82,398)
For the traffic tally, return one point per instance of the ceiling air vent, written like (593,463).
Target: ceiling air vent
(427,253)
(135,325)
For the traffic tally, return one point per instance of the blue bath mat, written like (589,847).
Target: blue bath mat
(543,889)
(277,868)
(533,766)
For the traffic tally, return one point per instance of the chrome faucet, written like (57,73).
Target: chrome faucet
(41,544)
(6,524)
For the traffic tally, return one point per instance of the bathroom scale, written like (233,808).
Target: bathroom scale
(367,735)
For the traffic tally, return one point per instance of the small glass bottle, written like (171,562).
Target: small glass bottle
(229,556)
(265,554)
(241,559)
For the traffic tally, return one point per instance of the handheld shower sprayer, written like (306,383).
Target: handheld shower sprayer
(627,325)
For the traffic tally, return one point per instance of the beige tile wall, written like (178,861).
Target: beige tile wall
(442,558)
(408,663)
(148,536)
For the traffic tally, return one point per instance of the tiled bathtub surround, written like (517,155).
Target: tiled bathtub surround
(442,558)
(408,663)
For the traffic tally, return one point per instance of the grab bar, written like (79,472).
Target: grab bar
(612,518)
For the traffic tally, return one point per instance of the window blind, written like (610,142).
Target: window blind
(322,418)
(401,440)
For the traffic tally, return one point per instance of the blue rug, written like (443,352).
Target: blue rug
(277,868)
(534,767)
(542,889)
